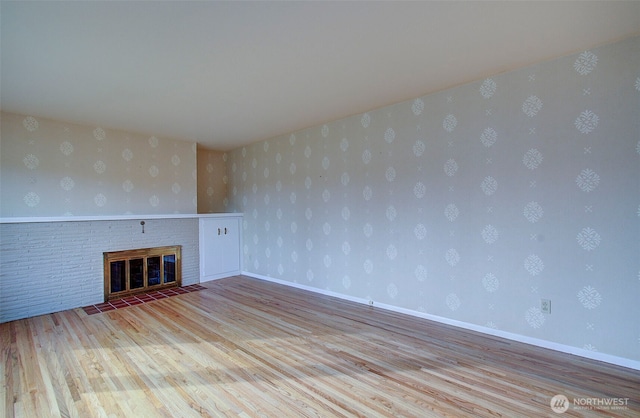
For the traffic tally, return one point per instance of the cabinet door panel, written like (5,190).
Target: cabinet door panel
(210,256)
(231,250)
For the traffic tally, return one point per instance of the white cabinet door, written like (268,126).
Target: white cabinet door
(229,234)
(219,248)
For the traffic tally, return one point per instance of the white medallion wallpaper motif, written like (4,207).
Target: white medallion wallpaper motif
(51,168)
(212,181)
(472,204)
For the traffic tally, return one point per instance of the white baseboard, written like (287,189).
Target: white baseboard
(593,355)
(218,276)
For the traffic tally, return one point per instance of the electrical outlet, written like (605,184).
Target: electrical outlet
(545,306)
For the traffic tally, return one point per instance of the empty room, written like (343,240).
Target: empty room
(319,209)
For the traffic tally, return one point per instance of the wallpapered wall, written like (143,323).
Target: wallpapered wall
(212,180)
(472,204)
(52,168)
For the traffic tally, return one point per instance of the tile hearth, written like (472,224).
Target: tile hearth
(139,299)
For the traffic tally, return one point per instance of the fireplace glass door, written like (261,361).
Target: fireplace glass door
(137,271)
(118,275)
(169,268)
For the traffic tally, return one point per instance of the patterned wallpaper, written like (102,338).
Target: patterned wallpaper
(212,180)
(51,168)
(473,203)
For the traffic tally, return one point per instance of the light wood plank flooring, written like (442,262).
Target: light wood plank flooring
(245,347)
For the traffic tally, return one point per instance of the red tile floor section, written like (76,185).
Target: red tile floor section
(142,298)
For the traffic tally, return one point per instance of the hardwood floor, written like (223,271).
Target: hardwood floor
(245,347)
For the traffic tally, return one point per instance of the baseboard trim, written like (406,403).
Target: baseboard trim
(592,355)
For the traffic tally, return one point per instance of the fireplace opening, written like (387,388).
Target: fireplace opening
(131,272)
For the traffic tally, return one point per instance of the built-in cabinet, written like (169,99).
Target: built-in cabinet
(219,247)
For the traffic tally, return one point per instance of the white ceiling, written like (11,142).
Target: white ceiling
(226,74)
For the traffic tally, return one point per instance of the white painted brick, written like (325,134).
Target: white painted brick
(52,266)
